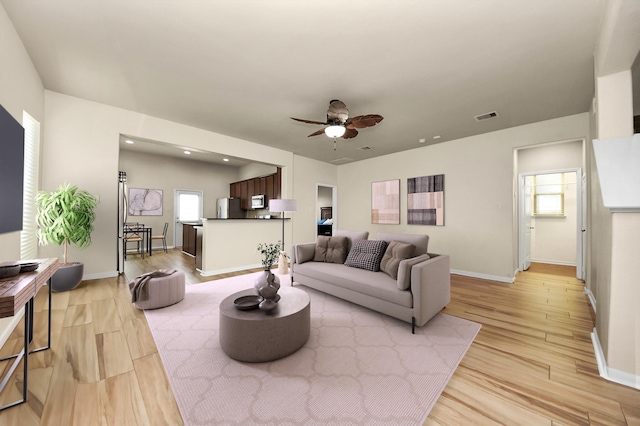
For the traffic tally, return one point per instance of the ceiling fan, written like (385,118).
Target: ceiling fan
(339,125)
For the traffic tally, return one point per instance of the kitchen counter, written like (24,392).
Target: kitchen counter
(246,218)
(230,245)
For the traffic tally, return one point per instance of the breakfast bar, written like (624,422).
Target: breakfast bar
(230,245)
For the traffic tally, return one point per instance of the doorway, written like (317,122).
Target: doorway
(555,236)
(188,208)
(326,209)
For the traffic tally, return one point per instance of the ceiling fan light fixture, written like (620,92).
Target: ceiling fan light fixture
(335,131)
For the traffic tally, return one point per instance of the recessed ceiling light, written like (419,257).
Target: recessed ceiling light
(187,152)
(225,159)
(422,140)
(130,142)
(437,137)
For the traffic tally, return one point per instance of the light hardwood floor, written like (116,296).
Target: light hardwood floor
(532,362)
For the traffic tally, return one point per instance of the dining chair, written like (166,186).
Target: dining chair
(131,235)
(162,237)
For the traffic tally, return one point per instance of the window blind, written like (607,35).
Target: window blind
(28,237)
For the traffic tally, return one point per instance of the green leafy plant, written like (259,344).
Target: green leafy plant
(66,216)
(270,253)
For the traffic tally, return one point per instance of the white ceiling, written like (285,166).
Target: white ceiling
(242,68)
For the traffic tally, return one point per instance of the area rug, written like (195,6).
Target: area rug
(358,367)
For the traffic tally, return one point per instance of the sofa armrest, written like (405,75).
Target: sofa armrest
(431,287)
(301,253)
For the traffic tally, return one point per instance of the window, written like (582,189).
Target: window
(548,195)
(28,238)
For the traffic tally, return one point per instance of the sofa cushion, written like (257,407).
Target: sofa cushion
(404,270)
(421,241)
(366,254)
(330,249)
(396,251)
(351,236)
(374,284)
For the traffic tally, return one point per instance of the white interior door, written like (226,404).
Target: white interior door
(188,209)
(581,180)
(526,224)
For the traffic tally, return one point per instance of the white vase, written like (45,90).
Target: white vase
(283,263)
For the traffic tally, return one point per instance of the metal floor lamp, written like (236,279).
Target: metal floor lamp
(282,206)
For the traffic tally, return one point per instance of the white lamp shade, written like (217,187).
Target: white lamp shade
(283,205)
(335,131)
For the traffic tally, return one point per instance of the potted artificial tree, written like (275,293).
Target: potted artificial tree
(64,217)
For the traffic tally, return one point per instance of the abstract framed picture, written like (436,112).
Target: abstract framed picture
(385,202)
(425,200)
(145,202)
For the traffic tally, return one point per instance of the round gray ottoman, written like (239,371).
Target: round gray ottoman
(253,336)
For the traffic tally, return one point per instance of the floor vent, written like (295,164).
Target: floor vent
(486,116)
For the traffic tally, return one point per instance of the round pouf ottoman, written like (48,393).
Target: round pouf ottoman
(157,289)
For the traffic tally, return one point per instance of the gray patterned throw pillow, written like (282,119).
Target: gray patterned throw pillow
(366,254)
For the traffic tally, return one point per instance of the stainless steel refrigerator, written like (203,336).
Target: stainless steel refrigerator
(122,217)
(229,208)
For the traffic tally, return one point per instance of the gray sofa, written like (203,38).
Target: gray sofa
(421,289)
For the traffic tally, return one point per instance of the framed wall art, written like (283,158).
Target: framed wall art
(145,202)
(425,200)
(385,202)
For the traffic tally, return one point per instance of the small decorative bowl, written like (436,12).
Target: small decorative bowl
(246,303)
(9,270)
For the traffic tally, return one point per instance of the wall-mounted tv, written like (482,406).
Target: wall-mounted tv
(11,172)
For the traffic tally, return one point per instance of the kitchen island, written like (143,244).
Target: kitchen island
(230,245)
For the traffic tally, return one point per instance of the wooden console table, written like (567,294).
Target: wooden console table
(16,292)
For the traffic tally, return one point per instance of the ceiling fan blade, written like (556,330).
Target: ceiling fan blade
(362,121)
(319,132)
(337,111)
(308,121)
(350,133)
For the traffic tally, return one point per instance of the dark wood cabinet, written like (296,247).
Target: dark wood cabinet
(268,192)
(270,186)
(188,239)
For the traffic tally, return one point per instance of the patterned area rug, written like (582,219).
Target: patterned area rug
(358,367)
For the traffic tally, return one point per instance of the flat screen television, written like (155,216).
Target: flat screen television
(11,172)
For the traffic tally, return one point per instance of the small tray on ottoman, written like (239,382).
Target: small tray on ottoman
(246,303)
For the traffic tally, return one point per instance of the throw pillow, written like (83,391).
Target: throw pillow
(396,251)
(330,249)
(366,254)
(404,270)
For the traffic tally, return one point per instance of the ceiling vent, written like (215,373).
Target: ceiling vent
(343,160)
(365,148)
(486,116)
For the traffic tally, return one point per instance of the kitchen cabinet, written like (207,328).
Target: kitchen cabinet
(270,186)
(189,239)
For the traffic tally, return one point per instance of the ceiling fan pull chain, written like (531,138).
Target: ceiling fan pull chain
(334,144)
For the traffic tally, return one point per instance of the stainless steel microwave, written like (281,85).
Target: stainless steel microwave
(257,202)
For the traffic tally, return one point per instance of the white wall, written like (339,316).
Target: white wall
(254,170)
(169,174)
(479,230)
(308,173)
(21,90)
(82,147)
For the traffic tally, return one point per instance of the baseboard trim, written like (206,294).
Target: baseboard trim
(100,275)
(554,262)
(592,299)
(509,280)
(608,373)
(227,270)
